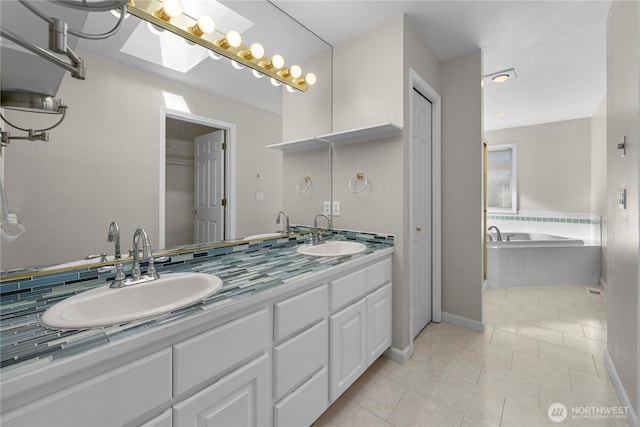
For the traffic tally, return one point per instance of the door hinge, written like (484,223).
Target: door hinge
(224,202)
(224,146)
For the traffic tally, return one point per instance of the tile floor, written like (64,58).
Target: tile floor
(541,345)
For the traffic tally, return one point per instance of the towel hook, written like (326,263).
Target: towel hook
(353,181)
(303,185)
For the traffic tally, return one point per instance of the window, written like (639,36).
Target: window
(502,192)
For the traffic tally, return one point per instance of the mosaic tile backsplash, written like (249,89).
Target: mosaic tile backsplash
(245,268)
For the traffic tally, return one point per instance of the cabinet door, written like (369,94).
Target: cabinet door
(238,399)
(378,323)
(348,347)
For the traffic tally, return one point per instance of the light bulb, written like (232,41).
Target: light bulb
(170,9)
(277,61)
(275,82)
(213,55)
(500,78)
(290,89)
(232,39)
(256,50)
(236,65)
(205,25)
(257,74)
(311,79)
(295,71)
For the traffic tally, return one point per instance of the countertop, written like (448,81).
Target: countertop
(245,268)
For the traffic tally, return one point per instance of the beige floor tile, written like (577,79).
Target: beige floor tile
(454,364)
(472,400)
(603,320)
(516,414)
(383,366)
(338,414)
(570,358)
(621,422)
(588,320)
(415,375)
(600,366)
(559,303)
(594,387)
(470,422)
(550,395)
(515,342)
(584,345)
(542,334)
(364,418)
(547,371)
(519,386)
(518,314)
(490,354)
(595,334)
(417,410)
(502,324)
(556,324)
(376,393)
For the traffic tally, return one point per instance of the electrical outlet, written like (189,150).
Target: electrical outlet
(336,208)
(259,196)
(327,207)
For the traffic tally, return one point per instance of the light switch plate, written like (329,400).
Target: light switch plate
(327,207)
(622,198)
(336,208)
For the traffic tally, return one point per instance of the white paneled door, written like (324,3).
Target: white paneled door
(421,234)
(208,211)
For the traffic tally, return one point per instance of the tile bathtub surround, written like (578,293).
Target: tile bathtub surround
(244,268)
(540,346)
(579,225)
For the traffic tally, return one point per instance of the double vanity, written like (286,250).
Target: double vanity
(285,335)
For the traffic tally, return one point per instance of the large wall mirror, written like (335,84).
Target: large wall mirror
(127,148)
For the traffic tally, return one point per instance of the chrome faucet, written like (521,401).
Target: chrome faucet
(286,228)
(316,236)
(114,236)
(498,234)
(140,237)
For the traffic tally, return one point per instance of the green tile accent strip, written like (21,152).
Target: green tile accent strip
(544,219)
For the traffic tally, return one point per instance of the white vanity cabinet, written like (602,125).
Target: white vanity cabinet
(277,358)
(113,398)
(301,357)
(361,331)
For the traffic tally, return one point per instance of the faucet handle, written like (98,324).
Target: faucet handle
(151,271)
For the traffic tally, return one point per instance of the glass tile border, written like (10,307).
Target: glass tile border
(544,219)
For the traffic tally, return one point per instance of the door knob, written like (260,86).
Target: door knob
(418,228)
(195,211)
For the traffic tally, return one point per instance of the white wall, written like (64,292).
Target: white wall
(462,229)
(623,110)
(102,164)
(554,164)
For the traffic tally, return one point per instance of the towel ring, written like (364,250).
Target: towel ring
(352,182)
(303,185)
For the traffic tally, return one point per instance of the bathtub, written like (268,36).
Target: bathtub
(534,259)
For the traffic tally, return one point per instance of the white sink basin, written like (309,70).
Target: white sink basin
(333,248)
(106,306)
(262,236)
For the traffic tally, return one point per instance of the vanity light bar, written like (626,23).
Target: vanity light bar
(228,45)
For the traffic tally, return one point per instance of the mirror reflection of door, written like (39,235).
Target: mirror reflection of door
(209,188)
(183,182)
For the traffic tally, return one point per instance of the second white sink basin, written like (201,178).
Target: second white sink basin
(333,248)
(105,306)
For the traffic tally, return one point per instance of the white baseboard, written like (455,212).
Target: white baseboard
(603,285)
(622,393)
(463,321)
(397,355)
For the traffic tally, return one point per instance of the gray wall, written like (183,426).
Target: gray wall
(599,176)
(623,110)
(554,164)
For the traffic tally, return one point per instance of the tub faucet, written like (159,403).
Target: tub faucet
(498,234)
(114,236)
(285,227)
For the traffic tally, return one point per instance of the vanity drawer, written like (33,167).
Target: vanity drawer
(114,398)
(298,358)
(298,312)
(209,354)
(347,289)
(305,405)
(378,274)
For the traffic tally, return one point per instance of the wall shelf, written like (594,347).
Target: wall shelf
(339,138)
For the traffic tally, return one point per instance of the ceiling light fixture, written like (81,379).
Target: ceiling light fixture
(501,76)
(168,15)
(502,114)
